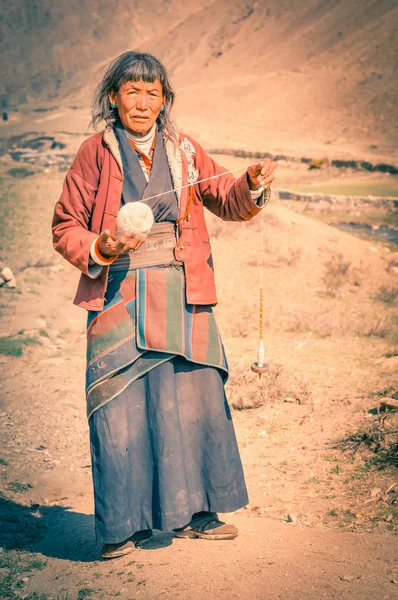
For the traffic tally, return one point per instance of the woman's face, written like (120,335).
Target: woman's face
(138,104)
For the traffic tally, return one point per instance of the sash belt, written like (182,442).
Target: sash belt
(158,249)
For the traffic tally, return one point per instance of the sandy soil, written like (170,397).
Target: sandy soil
(321,521)
(315,79)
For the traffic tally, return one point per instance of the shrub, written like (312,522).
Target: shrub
(247,391)
(13,346)
(335,274)
(386,294)
(316,163)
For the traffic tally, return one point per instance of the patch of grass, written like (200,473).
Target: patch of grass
(314,480)
(392,264)
(391,391)
(328,323)
(247,391)
(386,294)
(378,440)
(388,514)
(3,462)
(18,488)
(330,458)
(336,270)
(351,188)
(14,346)
(85,593)
(36,564)
(16,564)
(37,264)
(316,163)
(378,328)
(346,518)
(291,258)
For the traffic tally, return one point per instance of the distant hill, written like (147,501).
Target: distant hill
(285,75)
(282,70)
(49,48)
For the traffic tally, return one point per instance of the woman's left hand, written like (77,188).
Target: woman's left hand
(261,174)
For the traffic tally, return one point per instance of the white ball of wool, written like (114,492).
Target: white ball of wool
(134,217)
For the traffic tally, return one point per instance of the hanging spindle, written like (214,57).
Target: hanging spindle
(260,366)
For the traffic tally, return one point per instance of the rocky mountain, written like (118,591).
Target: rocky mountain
(316,72)
(49,48)
(315,76)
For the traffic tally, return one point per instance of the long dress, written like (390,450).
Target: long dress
(162,439)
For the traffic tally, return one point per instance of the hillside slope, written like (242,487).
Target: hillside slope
(49,48)
(281,72)
(317,77)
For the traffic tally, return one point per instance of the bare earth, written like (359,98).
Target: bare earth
(321,521)
(310,79)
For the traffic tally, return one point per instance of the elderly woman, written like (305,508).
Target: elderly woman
(163,447)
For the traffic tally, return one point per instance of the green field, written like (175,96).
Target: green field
(385,188)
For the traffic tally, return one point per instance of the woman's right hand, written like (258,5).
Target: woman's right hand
(109,247)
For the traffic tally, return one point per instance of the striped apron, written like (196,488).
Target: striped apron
(146,321)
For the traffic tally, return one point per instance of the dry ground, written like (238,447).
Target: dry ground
(320,459)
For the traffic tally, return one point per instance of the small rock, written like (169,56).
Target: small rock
(291,518)
(76,325)
(11,283)
(42,323)
(389,403)
(358,373)
(46,342)
(348,578)
(57,268)
(389,518)
(7,274)
(376,492)
(53,334)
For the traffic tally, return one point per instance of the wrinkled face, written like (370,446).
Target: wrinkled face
(138,104)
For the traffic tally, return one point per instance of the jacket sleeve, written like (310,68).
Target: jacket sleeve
(70,225)
(227,197)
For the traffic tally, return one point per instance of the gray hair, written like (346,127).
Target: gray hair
(133,66)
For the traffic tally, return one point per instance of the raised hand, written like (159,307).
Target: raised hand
(261,174)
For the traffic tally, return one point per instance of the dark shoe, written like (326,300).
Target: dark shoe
(116,550)
(208,527)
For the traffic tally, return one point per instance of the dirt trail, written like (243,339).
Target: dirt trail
(45,435)
(320,523)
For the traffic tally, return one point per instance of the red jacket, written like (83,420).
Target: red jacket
(91,197)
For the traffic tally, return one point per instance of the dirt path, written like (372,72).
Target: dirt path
(320,523)
(51,523)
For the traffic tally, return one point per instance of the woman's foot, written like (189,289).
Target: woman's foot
(116,550)
(206,525)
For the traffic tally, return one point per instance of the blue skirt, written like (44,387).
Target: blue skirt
(164,449)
